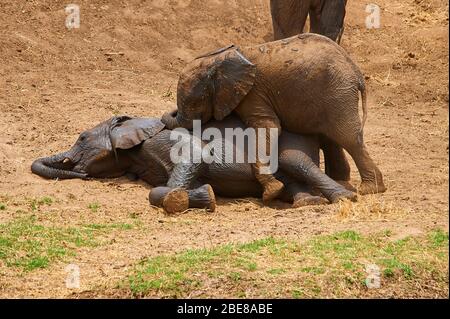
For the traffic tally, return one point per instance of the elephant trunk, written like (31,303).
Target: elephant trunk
(174,119)
(56,166)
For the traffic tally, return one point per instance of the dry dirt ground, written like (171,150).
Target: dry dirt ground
(125,59)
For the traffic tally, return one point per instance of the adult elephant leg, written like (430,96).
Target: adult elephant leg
(288,17)
(314,20)
(336,163)
(332,19)
(298,165)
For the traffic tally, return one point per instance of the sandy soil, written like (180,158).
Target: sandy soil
(125,59)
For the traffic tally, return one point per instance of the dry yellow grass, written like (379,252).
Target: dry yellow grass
(371,208)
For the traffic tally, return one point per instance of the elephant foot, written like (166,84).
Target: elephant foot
(347,185)
(308,200)
(176,201)
(371,188)
(272,190)
(343,195)
(157,194)
(202,197)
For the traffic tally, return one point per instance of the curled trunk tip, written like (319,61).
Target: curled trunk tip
(173,120)
(47,167)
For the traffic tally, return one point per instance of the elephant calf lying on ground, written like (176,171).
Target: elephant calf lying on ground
(141,147)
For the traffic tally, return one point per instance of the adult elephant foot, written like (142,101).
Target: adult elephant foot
(371,188)
(308,200)
(343,195)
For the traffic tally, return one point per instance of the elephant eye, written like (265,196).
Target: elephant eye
(83,137)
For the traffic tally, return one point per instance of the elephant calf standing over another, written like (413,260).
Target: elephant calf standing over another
(305,84)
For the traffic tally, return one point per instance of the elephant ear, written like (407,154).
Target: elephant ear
(127,132)
(233,76)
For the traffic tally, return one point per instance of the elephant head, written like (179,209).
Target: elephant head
(212,85)
(332,19)
(96,152)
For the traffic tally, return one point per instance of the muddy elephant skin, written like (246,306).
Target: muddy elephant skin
(140,148)
(305,84)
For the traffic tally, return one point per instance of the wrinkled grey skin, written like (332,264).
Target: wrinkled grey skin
(326,17)
(141,148)
(306,84)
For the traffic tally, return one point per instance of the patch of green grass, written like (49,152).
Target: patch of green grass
(251,266)
(26,244)
(393,265)
(348,265)
(256,245)
(439,238)
(349,234)
(235,276)
(297,293)
(120,226)
(324,266)
(94,207)
(45,200)
(276,271)
(313,270)
(36,203)
(172,274)
(37,262)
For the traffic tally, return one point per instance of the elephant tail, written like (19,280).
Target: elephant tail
(362,88)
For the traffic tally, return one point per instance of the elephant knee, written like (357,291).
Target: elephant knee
(294,160)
